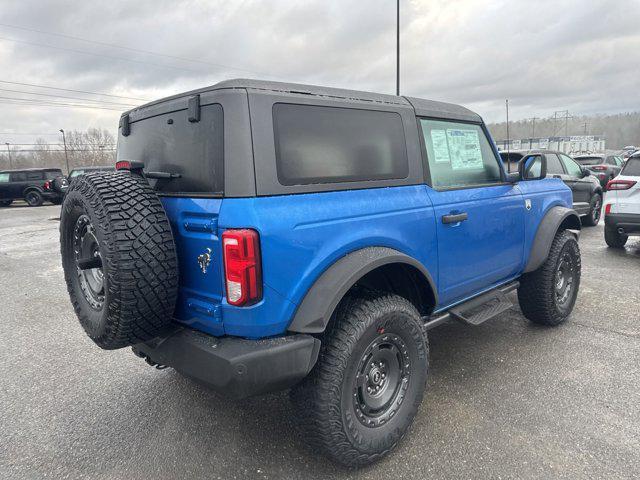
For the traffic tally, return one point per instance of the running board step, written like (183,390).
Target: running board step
(482,308)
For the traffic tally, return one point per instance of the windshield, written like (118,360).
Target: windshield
(632,167)
(590,160)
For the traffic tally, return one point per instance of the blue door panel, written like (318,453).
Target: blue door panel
(483,250)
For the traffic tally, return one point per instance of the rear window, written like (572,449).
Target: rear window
(317,144)
(170,143)
(51,174)
(589,160)
(631,168)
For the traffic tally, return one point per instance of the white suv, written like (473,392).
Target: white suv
(622,204)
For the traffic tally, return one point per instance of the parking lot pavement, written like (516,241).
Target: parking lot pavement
(505,400)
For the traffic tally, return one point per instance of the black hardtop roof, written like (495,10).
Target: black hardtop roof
(540,151)
(427,108)
(92,167)
(34,169)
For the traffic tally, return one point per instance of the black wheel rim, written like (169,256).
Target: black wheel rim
(381,380)
(565,279)
(595,214)
(85,245)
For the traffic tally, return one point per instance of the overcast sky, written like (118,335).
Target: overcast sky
(580,55)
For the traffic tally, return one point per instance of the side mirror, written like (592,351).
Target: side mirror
(533,167)
(585,172)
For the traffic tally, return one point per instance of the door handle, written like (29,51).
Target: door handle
(455,217)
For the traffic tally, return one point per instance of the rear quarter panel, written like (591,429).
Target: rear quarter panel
(302,235)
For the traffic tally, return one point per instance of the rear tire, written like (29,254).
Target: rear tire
(614,239)
(593,217)
(33,198)
(547,295)
(130,295)
(363,393)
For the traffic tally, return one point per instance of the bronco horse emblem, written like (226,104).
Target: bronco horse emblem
(204,260)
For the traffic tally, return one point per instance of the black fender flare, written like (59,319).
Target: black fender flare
(320,301)
(557,217)
(28,188)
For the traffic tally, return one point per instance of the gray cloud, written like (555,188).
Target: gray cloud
(542,55)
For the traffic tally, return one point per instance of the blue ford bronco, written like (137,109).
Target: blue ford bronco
(260,236)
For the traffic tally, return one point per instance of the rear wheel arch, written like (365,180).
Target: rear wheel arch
(379,268)
(32,188)
(556,219)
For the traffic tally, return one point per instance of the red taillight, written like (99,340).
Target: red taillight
(599,167)
(47,185)
(620,184)
(242,266)
(607,209)
(123,165)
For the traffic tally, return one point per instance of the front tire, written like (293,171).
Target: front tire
(615,239)
(595,210)
(547,295)
(363,393)
(5,203)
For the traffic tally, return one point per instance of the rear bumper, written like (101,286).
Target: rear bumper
(628,222)
(235,367)
(51,195)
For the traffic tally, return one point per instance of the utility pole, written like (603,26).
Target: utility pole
(66,156)
(506,102)
(398,47)
(9,152)
(585,127)
(533,130)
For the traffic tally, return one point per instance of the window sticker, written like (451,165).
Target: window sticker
(440,146)
(464,147)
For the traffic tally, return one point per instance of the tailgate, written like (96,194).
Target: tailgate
(194,222)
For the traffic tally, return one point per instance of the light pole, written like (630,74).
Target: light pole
(9,152)
(398,47)
(66,156)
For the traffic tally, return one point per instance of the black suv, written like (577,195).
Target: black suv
(604,167)
(586,189)
(34,185)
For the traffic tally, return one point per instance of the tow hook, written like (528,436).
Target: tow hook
(148,359)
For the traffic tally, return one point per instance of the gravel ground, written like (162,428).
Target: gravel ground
(505,400)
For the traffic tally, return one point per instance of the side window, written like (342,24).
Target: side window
(316,144)
(573,168)
(4,178)
(459,154)
(34,175)
(18,177)
(554,167)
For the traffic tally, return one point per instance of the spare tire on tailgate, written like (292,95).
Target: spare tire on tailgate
(119,258)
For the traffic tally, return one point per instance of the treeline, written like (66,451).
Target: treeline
(620,129)
(91,147)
